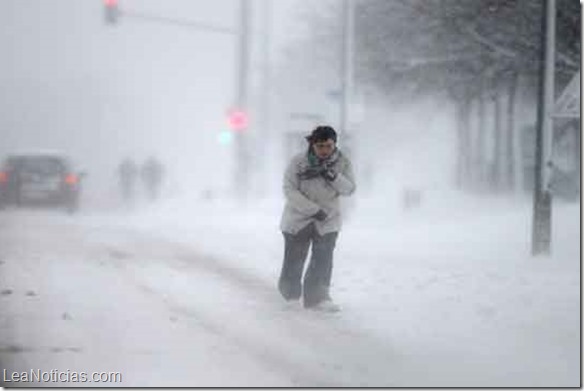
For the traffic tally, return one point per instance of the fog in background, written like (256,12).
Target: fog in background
(101,93)
(139,88)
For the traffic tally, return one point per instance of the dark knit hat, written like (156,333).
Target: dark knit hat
(322,133)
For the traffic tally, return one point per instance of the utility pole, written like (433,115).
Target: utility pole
(347,65)
(242,153)
(542,197)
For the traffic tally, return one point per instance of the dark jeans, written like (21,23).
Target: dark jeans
(317,278)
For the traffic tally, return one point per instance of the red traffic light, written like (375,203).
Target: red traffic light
(238,120)
(111,3)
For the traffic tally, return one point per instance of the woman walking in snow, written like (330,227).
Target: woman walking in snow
(313,182)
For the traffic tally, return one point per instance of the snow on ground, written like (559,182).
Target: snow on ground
(182,293)
(69,306)
(449,288)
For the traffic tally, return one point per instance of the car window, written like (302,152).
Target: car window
(44,165)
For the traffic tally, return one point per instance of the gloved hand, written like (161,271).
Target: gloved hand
(329,174)
(320,215)
(311,172)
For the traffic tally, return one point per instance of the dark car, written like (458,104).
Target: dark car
(40,178)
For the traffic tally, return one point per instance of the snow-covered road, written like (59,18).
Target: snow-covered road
(160,314)
(169,297)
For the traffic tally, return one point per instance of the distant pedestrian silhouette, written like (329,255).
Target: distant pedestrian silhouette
(128,173)
(152,173)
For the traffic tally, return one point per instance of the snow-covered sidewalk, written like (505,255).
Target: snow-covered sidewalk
(450,287)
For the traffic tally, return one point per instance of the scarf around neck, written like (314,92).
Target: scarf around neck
(314,160)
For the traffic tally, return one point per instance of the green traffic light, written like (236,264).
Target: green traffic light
(225,137)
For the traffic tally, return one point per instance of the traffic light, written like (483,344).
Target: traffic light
(111,11)
(225,137)
(238,120)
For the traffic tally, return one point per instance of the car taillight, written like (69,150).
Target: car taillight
(3,177)
(71,179)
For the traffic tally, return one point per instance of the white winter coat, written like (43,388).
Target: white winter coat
(305,197)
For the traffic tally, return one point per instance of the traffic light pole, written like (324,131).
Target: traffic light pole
(242,157)
(113,12)
(240,104)
(178,22)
